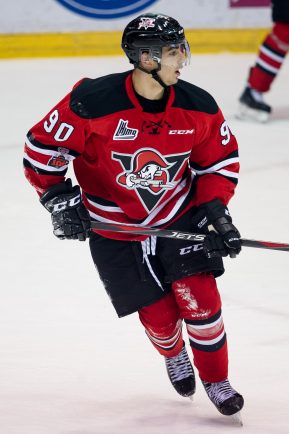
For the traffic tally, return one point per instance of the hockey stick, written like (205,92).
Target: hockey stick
(170,233)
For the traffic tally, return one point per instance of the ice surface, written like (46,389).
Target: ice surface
(68,365)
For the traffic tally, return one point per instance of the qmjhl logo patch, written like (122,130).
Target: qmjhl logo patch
(122,131)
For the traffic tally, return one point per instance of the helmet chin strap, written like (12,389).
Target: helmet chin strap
(154,74)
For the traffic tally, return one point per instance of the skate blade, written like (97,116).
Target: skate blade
(191,398)
(245,113)
(237,418)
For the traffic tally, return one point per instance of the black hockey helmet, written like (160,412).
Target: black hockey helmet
(151,32)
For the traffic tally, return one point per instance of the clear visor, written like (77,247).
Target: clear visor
(185,48)
(176,56)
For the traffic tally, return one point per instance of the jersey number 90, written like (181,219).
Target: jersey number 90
(225,132)
(62,131)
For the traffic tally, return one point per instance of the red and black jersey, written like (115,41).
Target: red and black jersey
(135,167)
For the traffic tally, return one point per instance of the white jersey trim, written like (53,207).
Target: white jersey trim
(228,173)
(218,166)
(49,152)
(104,207)
(44,166)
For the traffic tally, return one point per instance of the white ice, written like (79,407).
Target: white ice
(68,365)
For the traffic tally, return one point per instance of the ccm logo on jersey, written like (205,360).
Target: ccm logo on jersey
(182,131)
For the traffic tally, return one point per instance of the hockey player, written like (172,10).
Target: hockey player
(149,149)
(269,61)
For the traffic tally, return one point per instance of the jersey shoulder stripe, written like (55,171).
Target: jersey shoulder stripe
(198,167)
(94,98)
(41,169)
(226,167)
(34,144)
(191,97)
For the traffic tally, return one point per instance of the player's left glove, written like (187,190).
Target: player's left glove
(223,238)
(70,218)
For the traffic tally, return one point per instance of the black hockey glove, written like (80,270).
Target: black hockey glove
(70,218)
(223,238)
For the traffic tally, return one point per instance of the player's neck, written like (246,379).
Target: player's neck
(146,86)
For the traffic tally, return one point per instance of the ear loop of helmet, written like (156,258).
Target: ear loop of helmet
(154,72)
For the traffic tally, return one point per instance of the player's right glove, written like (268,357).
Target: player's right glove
(70,218)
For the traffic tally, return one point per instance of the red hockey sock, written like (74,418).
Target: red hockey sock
(211,359)
(270,58)
(200,305)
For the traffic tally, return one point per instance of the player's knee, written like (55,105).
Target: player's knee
(163,314)
(197,296)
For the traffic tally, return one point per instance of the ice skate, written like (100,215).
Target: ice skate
(252,107)
(227,401)
(181,373)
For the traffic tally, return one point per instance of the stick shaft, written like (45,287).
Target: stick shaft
(180,235)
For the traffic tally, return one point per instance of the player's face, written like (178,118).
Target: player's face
(173,60)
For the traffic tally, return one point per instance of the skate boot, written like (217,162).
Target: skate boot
(181,373)
(224,397)
(252,106)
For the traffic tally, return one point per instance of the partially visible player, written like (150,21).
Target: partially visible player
(149,149)
(269,61)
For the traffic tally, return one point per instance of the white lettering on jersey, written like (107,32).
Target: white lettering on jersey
(63,131)
(225,132)
(182,131)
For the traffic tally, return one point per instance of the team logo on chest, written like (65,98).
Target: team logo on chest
(149,173)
